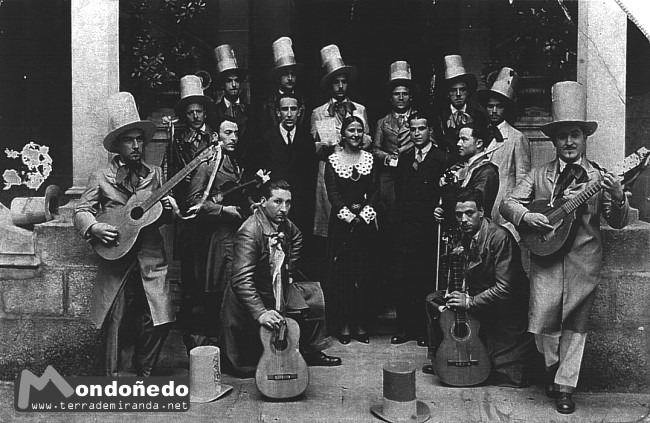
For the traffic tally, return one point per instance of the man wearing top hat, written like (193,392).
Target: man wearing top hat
(193,108)
(459,86)
(230,78)
(136,282)
(326,124)
(563,284)
(509,148)
(285,73)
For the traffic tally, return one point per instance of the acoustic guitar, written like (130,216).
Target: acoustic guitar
(462,359)
(141,210)
(562,213)
(282,371)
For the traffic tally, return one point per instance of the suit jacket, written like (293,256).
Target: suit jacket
(563,285)
(105,193)
(292,163)
(242,115)
(483,175)
(512,157)
(390,137)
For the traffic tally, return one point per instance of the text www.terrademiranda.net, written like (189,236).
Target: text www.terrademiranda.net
(109,406)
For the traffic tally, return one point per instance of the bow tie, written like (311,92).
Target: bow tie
(235,109)
(458,118)
(342,108)
(129,175)
(496,134)
(572,172)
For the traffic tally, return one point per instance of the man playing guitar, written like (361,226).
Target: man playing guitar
(496,292)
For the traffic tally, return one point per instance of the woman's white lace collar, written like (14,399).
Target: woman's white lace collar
(344,170)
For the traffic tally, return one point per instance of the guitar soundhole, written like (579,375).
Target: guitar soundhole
(137,213)
(280,344)
(460,331)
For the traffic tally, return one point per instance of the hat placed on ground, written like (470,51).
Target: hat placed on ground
(334,66)
(399,403)
(226,61)
(191,93)
(34,210)
(205,375)
(569,106)
(283,57)
(400,75)
(504,88)
(455,72)
(122,117)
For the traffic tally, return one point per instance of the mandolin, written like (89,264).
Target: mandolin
(562,213)
(282,371)
(462,359)
(141,210)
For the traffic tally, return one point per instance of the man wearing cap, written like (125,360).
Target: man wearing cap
(496,292)
(563,284)
(285,72)
(193,108)
(509,148)
(269,244)
(460,87)
(417,193)
(230,78)
(135,283)
(326,124)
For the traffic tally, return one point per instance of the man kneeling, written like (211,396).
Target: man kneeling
(249,300)
(497,293)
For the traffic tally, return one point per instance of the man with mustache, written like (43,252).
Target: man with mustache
(249,300)
(563,284)
(136,283)
(287,150)
(496,293)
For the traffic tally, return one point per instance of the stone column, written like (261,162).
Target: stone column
(602,40)
(95,76)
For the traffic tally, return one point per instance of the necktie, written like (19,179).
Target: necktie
(572,172)
(419,156)
(495,133)
(400,120)
(289,138)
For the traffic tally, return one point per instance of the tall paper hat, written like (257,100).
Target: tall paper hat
(283,57)
(399,403)
(504,87)
(569,106)
(400,75)
(33,210)
(205,375)
(191,92)
(226,61)
(455,72)
(333,65)
(122,117)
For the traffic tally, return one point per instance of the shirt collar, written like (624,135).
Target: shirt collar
(475,158)
(284,132)
(563,163)
(501,126)
(228,103)
(424,150)
(455,110)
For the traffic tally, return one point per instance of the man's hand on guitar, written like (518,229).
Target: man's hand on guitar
(458,300)
(169,203)
(104,232)
(613,186)
(537,221)
(271,319)
(231,211)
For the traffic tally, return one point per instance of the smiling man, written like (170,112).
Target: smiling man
(250,302)
(563,284)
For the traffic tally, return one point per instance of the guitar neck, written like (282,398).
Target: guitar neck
(456,281)
(238,187)
(584,196)
(158,194)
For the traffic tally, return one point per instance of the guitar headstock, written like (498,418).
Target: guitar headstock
(632,166)
(209,153)
(262,176)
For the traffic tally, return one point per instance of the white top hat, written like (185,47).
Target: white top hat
(333,65)
(400,74)
(226,60)
(504,87)
(123,116)
(455,72)
(569,106)
(191,92)
(399,403)
(205,375)
(283,57)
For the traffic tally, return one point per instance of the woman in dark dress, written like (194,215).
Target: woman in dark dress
(351,188)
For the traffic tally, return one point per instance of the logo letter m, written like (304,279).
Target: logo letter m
(28,379)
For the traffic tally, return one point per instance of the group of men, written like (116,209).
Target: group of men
(461,167)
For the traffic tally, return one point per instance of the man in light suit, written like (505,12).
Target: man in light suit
(326,124)
(509,148)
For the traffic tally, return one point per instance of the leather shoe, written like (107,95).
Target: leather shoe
(362,337)
(399,339)
(345,339)
(564,403)
(422,341)
(428,369)
(321,359)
